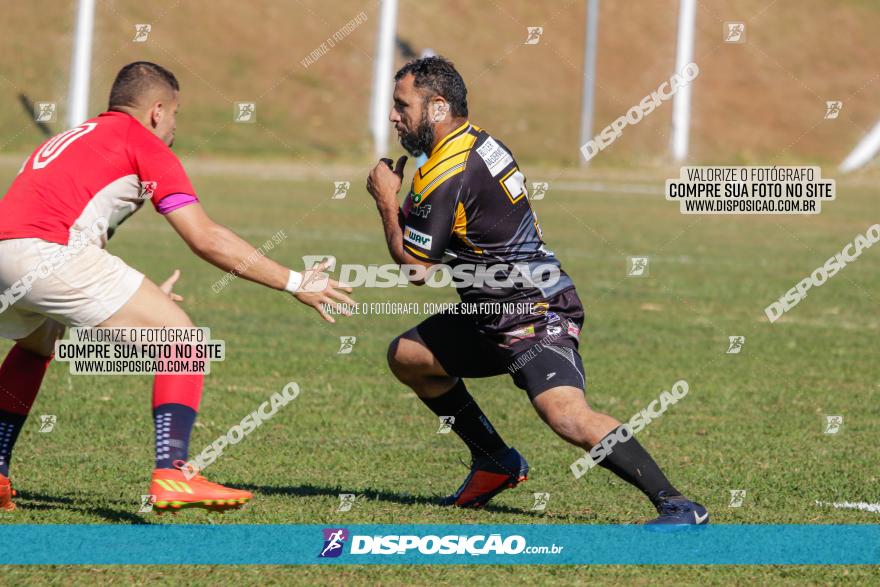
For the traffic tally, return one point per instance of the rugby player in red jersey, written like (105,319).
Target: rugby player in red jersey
(68,199)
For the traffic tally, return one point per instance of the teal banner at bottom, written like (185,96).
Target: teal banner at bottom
(440,544)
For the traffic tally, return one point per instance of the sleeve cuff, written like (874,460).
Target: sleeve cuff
(172,202)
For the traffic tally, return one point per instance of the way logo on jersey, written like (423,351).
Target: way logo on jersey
(494,155)
(419,239)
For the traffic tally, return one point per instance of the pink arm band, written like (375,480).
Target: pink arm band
(172,202)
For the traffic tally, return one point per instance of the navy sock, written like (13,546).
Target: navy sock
(10,426)
(173,422)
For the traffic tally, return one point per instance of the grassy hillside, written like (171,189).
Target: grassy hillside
(762,101)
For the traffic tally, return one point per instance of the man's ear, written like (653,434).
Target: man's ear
(439,108)
(157,113)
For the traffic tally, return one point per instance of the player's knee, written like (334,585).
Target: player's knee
(571,421)
(406,360)
(397,361)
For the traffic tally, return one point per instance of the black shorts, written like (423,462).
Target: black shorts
(538,349)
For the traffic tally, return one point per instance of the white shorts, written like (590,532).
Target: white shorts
(75,286)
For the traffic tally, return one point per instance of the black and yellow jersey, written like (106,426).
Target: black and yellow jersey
(469,204)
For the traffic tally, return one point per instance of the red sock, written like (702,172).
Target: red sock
(20,377)
(185,390)
(176,401)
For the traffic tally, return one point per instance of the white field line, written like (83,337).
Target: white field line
(652,189)
(853,505)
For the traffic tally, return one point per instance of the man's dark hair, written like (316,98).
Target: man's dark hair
(135,80)
(440,78)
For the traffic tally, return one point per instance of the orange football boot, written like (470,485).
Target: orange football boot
(172,491)
(487,478)
(6,494)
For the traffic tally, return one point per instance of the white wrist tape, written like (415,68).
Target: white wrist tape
(293,282)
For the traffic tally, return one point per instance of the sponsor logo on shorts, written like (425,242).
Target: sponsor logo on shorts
(540,308)
(520,334)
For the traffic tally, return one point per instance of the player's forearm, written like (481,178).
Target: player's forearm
(392,224)
(226,250)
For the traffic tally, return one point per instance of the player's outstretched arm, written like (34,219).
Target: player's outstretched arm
(224,249)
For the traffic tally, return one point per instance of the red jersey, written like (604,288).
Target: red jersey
(91,178)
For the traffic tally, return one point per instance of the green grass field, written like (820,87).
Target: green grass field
(751,421)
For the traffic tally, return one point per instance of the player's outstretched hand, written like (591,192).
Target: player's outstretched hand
(319,291)
(383,181)
(168,285)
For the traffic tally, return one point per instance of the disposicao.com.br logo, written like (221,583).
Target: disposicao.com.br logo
(475,545)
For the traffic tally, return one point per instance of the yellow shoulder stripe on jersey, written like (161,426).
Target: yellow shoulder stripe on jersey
(454,134)
(455,153)
(459,229)
(449,162)
(424,190)
(439,164)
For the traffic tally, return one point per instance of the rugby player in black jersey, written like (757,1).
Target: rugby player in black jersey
(468,207)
